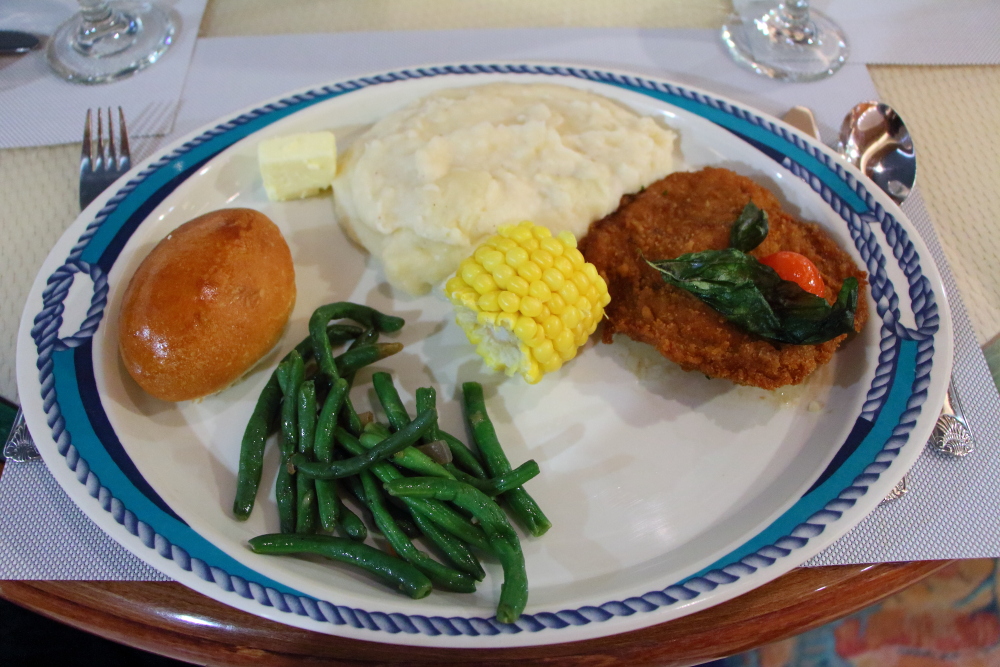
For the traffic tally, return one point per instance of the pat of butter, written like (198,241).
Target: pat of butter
(297,165)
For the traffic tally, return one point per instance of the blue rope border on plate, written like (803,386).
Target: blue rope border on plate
(49,320)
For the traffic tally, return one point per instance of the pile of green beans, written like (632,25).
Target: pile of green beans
(329,452)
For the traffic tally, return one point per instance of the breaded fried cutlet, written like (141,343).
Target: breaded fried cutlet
(693,211)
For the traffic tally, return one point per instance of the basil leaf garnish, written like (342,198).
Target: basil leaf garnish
(753,296)
(750,228)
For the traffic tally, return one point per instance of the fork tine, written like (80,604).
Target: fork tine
(125,153)
(112,163)
(86,154)
(99,162)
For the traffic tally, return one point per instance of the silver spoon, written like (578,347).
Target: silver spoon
(15,42)
(874,138)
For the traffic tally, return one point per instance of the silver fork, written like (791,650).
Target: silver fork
(101,168)
(101,164)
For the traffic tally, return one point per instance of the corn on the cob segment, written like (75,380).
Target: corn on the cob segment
(527,300)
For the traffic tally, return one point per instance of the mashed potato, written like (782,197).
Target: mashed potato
(427,183)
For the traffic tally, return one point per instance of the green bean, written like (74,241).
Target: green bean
(327,421)
(389,398)
(306,416)
(252,448)
(328,504)
(327,497)
(290,374)
(494,486)
(438,512)
(369,317)
(402,518)
(398,418)
(306,510)
(450,546)
(355,464)
(394,571)
(439,574)
(522,506)
(377,428)
(352,524)
(355,359)
(410,458)
(261,423)
(503,539)
(368,337)
(463,456)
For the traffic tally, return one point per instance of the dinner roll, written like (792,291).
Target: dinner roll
(206,304)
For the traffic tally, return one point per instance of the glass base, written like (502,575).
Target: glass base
(770,46)
(132,37)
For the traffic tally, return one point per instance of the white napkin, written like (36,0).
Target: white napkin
(39,108)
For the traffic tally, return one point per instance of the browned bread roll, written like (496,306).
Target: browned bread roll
(206,304)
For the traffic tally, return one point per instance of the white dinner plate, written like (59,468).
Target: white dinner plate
(668,492)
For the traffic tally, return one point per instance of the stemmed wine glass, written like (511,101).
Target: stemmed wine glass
(107,40)
(787,41)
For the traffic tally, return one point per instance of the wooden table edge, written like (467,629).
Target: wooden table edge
(171,620)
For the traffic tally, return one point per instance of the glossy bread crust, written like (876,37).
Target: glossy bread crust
(206,304)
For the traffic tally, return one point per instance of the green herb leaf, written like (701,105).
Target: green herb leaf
(750,228)
(752,296)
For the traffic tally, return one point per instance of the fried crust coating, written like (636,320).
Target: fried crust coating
(692,211)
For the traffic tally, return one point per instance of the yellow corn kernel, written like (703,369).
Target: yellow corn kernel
(543,258)
(568,291)
(544,352)
(525,329)
(469,269)
(554,278)
(520,234)
(508,302)
(484,283)
(552,246)
(552,325)
(529,270)
(507,320)
(530,306)
(502,274)
(527,300)
(564,341)
(490,259)
(488,302)
(517,256)
(571,317)
(454,284)
(539,290)
(556,304)
(504,244)
(575,256)
(553,364)
(563,265)
(518,285)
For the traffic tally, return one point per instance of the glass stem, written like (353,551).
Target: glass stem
(95,11)
(794,21)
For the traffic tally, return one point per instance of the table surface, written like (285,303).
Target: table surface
(952,113)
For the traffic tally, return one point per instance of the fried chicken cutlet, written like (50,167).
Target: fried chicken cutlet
(692,211)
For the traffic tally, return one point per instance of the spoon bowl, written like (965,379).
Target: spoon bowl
(874,139)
